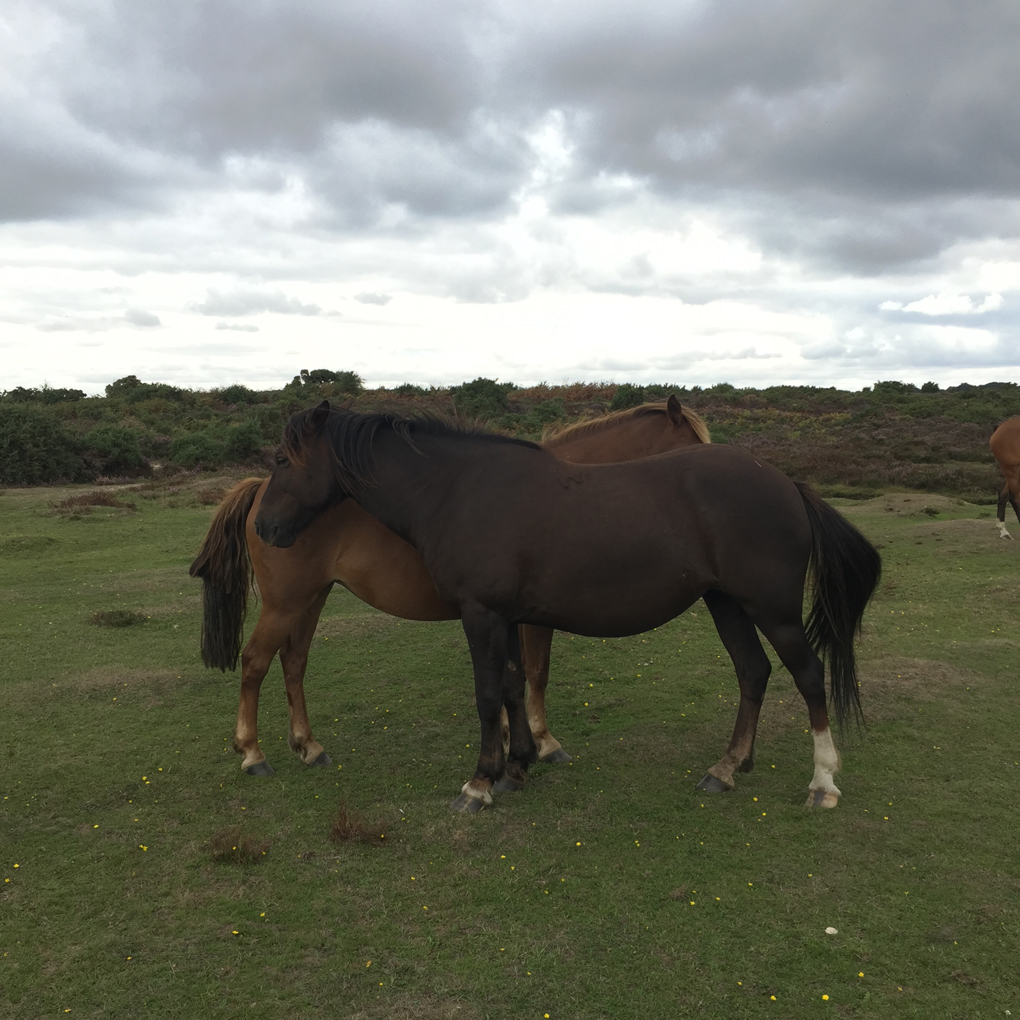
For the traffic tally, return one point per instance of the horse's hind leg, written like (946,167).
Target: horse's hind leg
(521,748)
(269,634)
(791,644)
(753,668)
(1000,510)
(536,646)
(294,659)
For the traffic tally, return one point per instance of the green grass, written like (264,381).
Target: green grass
(608,888)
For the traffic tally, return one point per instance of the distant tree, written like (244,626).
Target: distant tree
(930,387)
(325,379)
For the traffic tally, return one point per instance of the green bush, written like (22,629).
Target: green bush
(237,394)
(113,450)
(35,447)
(627,395)
(44,395)
(484,399)
(198,450)
(243,442)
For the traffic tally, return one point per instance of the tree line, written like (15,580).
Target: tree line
(849,442)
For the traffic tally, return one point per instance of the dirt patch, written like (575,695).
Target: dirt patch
(917,679)
(105,677)
(903,504)
(419,1007)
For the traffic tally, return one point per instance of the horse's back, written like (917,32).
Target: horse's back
(621,548)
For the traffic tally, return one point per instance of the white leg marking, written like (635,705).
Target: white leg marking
(1003,533)
(475,794)
(827,763)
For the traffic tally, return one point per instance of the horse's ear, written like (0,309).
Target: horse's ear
(674,410)
(347,405)
(320,414)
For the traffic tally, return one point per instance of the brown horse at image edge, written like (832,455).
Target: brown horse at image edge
(1005,444)
(349,546)
(511,535)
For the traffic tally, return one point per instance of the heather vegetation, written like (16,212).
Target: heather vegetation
(850,443)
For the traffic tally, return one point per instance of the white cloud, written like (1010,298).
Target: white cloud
(786,190)
(946,304)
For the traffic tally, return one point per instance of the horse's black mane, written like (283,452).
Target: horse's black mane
(350,437)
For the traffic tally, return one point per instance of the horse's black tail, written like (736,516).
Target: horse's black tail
(846,569)
(226,573)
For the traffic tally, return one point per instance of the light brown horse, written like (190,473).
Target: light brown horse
(1005,444)
(347,545)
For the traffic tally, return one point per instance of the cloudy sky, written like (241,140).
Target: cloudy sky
(750,191)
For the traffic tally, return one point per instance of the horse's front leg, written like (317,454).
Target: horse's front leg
(294,659)
(488,641)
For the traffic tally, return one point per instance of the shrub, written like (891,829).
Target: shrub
(36,448)
(113,450)
(44,395)
(627,395)
(237,394)
(483,398)
(198,450)
(243,442)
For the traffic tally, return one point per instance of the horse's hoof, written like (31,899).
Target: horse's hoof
(467,805)
(507,785)
(321,762)
(555,756)
(261,768)
(711,784)
(822,799)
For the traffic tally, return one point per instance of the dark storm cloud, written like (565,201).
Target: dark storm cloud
(860,136)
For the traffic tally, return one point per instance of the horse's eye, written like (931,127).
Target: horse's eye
(281,461)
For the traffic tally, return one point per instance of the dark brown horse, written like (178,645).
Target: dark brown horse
(1005,444)
(349,546)
(512,535)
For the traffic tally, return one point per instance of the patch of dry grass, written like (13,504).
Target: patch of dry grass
(116,618)
(235,846)
(348,826)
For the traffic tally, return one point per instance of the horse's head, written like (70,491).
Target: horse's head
(303,484)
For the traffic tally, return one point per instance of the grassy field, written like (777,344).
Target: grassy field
(607,889)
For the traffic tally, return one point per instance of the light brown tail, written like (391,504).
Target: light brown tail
(226,573)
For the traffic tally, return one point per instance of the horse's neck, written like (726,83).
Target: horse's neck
(408,483)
